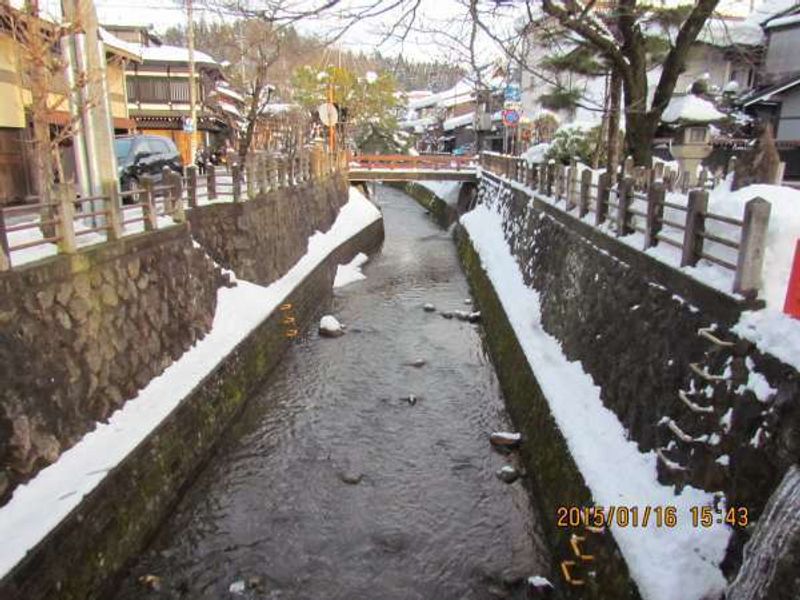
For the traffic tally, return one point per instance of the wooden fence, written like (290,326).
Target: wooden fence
(638,203)
(405,162)
(65,220)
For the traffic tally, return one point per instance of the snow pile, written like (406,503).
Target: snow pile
(39,505)
(536,154)
(666,563)
(329,326)
(690,109)
(445,190)
(351,272)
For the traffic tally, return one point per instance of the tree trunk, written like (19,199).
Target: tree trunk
(614,97)
(639,133)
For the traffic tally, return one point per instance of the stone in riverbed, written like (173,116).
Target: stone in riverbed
(151,582)
(447,315)
(507,474)
(505,440)
(330,327)
(428,307)
(351,477)
(411,399)
(538,587)
(420,362)
(237,587)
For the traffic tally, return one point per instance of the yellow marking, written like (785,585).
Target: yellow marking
(575,541)
(565,566)
(288,320)
(287,306)
(291,333)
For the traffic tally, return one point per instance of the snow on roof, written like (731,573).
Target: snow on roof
(230,108)
(729,32)
(119,45)
(230,92)
(175,54)
(692,109)
(459,121)
(770,9)
(279,107)
(783,21)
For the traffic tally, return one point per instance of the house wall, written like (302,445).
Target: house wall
(789,122)
(783,46)
(12,113)
(704,59)
(115,78)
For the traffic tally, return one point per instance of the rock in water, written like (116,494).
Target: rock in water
(151,582)
(428,307)
(474,317)
(411,399)
(539,587)
(447,315)
(330,327)
(237,587)
(351,478)
(467,301)
(420,362)
(505,440)
(508,474)
(461,315)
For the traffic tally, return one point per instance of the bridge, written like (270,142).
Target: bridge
(402,167)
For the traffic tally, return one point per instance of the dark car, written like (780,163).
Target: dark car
(139,155)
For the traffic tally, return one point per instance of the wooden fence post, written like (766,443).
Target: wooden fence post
(572,186)
(149,208)
(211,182)
(657,172)
(695,225)
(655,214)
(236,178)
(685,182)
(627,167)
(5,253)
(113,211)
(191,179)
(543,178)
(624,200)
(64,194)
(561,173)
(551,176)
(751,249)
(602,199)
(178,213)
(586,187)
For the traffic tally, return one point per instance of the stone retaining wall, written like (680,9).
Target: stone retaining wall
(80,559)
(262,238)
(634,324)
(80,334)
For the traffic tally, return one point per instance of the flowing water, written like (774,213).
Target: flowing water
(277,512)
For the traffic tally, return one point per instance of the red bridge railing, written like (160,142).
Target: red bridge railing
(405,162)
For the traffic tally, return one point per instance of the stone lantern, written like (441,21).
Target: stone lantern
(690,116)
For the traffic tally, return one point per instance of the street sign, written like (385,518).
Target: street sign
(510,118)
(188,125)
(328,114)
(512,93)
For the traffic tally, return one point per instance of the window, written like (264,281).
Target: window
(697,134)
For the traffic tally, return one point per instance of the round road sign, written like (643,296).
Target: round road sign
(328,114)
(510,118)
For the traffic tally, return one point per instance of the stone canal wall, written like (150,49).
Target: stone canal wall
(443,213)
(245,238)
(637,327)
(80,334)
(81,557)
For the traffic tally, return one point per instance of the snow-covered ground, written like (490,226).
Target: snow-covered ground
(446,190)
(350,272)
(39,505)
(666,563)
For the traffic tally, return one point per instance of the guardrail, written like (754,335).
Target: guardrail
(69,221)
(405,162)
(639,204)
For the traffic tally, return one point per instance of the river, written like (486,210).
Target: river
(277,512)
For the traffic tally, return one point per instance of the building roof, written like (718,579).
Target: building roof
(174,54)
(120,47)
(765,94)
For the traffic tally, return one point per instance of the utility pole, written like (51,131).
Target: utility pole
(192,89)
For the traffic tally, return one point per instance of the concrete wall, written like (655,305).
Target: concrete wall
(633,323)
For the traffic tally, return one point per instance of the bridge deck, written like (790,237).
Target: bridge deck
(402,167)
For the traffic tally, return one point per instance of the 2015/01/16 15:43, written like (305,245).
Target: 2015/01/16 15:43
(636,516)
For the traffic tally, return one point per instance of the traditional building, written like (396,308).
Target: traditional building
(16,181)
(158,91)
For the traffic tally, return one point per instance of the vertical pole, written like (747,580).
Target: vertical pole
(602,199)
(655,214)
(586,186)
(176,192)
(192,90)
(695,225)
(65,228)
(551,175)
(751,248)
(211,183)
(191,176)
(624,199)
(237,183)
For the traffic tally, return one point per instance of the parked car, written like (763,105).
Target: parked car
(140,155)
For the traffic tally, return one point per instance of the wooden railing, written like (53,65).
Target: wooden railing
(639,203)
(68,221)
(404,162)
